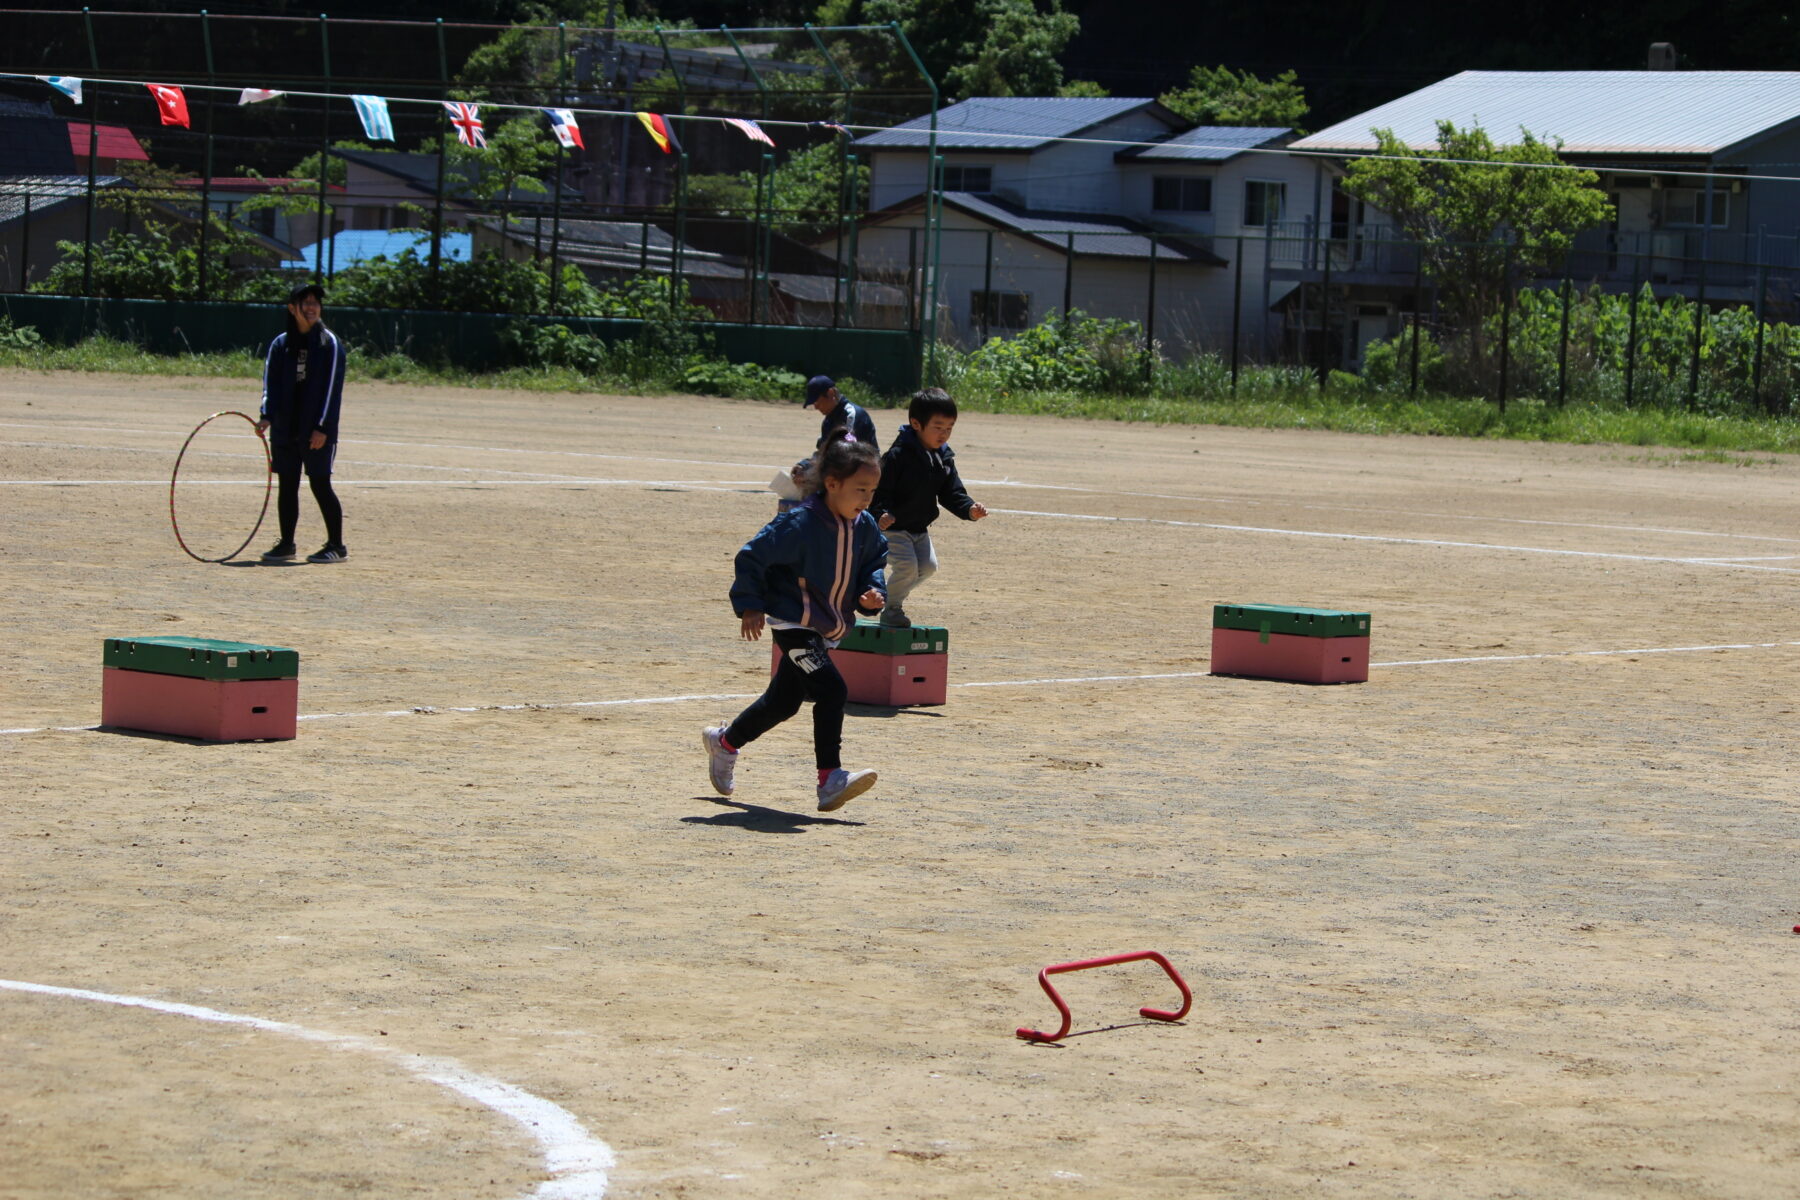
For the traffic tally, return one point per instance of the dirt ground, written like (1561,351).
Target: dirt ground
(1511,919)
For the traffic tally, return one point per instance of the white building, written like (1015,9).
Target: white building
(1053,202)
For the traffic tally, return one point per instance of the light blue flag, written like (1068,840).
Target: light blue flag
(375,120)
(68,85)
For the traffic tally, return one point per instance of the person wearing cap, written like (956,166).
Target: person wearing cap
(303,390)
(840,414)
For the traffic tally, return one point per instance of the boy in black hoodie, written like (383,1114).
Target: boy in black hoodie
(917,474)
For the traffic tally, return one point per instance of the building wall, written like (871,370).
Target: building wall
(1193,302)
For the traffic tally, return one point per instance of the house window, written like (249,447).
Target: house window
(1264,202)
(1000,310)
(1181,195)
(968,179)
(1687,206)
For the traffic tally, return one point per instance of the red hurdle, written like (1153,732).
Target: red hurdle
(1155,1014)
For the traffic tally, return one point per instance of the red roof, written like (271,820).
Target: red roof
(114,141)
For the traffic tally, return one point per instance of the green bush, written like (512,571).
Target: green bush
(19,338)
(1078,353)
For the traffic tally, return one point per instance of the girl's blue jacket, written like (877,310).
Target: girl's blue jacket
(809,566)
(295,408)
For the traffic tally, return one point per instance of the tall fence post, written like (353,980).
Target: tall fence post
(1562,349)
(1324,318)
(1637,267)
(1068,276)
(1237,309)
(437,211)
(556,200)
(1412,388)
(1506,307)
(87,237)
(324,148)
(25,245)
(1762,287)
(987,286)
(1150,317)
(206,175)
(1693,396)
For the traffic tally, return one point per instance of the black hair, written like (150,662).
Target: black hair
(843,456)
(932,402)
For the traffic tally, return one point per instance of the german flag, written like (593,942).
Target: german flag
(660,129)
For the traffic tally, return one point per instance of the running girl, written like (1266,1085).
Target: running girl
(807,573)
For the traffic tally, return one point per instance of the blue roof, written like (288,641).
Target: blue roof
(1208,143)
(1096,236)
(1591,112)
(360,245)
(1005,122)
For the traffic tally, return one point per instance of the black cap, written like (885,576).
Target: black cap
(304,290)
(817,386)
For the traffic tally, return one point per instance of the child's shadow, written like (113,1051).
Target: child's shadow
(757,819)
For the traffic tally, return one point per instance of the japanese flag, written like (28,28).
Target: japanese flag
(256,95)
(562,124)
(171,105)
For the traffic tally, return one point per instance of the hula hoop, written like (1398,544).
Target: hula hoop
(268,485)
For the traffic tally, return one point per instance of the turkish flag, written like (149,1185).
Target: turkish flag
(170,103)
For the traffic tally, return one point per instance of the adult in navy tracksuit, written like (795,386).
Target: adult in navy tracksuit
(808,573)
(840,414)
(303,390)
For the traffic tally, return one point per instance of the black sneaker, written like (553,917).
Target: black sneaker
(279,552)
(329,553)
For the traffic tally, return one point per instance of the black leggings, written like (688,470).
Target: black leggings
(287,504)
(806,672)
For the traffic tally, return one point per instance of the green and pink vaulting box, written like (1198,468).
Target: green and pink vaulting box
(904,667)
(200,688)
(1303,645)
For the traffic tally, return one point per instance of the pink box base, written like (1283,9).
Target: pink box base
(1289,656)
(890,680)
(213,710)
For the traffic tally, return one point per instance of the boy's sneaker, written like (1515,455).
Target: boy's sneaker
(841,786)
(893,618)
(720,762)
(279,552)
(329,553)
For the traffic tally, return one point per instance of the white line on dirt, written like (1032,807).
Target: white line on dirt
(433,709)
(577,1161)
(1399,541)
(1007,481)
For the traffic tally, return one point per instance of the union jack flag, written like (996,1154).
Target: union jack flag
(467,119)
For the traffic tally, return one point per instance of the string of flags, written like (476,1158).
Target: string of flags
(378,123)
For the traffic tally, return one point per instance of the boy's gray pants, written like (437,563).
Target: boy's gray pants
(911,561)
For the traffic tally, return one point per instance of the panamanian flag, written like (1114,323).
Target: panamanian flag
(68,85)
(562,124)
(171,104)
(467,119)
(375,119)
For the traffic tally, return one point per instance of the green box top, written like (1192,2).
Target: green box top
(202,658)
(1284,618)
(888,639)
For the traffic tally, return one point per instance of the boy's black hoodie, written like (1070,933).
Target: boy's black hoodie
(915,480)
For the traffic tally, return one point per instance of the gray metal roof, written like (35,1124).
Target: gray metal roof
(1005,122)
(1095,236)
(45,191)
(1591,112)
(1208,143)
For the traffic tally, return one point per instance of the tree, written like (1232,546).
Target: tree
(970,47)
(1483,215)
(1221,96)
